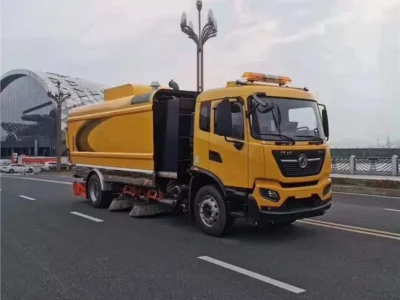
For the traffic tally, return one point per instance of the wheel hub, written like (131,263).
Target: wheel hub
(209,211)
(94,191)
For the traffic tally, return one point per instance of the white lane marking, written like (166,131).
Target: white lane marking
(377,196)
(86,217)
(37,179)
(26,197)
(391,209)
(349,226)
(254,275)
(372,232)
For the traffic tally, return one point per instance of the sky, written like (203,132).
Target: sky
(347,52)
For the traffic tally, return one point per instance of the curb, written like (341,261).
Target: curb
(365,190)
(368,183)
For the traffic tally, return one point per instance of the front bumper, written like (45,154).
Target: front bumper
(255,215)
(294,203)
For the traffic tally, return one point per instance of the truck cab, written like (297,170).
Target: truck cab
(263,147)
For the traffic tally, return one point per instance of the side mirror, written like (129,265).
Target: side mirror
(325,121)
(223,124)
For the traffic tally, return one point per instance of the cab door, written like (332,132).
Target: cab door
(228,156)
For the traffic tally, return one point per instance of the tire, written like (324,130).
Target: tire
(11,171)
(30,170)
(210,211)
(97,197)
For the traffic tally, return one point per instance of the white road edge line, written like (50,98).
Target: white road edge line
(37,179)
(367,195)
(254,275)
(86,217)
(391,209)
(26,197)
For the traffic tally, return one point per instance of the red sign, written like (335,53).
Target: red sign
(38,160)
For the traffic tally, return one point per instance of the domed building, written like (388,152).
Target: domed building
(28,115)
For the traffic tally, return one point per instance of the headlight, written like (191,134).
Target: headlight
(270,194)
(327,189)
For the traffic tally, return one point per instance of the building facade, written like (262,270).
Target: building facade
(28,115)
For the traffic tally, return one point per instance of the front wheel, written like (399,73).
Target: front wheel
(99,198)
(211,213)
(11,171)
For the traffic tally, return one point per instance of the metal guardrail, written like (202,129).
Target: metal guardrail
(389,166)
(341,165)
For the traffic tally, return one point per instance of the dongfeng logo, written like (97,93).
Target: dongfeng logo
(302,160)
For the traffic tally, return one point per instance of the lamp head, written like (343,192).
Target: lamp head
(210,16)
(199,4)
(183,19)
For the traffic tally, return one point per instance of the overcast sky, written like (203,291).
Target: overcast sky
(346,51)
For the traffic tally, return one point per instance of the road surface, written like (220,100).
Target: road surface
(56,246)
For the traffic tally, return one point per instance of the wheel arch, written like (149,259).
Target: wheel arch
(103,184)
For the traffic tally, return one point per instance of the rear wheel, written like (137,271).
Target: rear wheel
(11,171)
(211,213)
(30,170)
(98,198)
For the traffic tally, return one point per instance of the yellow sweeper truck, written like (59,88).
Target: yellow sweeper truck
(254,149)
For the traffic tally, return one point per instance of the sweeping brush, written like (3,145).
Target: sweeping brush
(146,209)
(121,204)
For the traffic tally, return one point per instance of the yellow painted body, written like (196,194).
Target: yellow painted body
(122,136)
(125,91)
(254,166)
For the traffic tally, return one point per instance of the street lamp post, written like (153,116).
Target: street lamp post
(209,30)
(59,99)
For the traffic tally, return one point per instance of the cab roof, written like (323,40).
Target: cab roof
(235,90)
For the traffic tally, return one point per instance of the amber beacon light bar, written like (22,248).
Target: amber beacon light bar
(265,78)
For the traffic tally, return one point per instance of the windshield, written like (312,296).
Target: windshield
(294,118)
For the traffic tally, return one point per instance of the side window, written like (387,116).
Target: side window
(205,116)
(237,120)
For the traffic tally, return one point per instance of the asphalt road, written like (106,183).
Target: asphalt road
(353,252)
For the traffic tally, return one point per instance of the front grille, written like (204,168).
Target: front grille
(290,166)
(298,184)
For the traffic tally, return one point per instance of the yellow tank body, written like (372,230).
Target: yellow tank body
(114,133)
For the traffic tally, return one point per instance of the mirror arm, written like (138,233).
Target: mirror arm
(249,112)
(229,141)
(237,144)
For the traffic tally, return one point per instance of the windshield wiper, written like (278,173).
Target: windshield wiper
(315,138)
(284,137)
